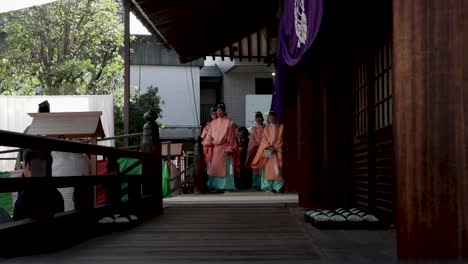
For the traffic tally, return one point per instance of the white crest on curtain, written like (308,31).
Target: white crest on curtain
(300,22)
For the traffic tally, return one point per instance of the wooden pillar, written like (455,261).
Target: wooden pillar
(304,121)
(431,127)
(93,163)
(290,146)
(40,167)
(152,166)
(290,143)
(93,158)
(310,137)
(113,188)
(126,58)
(199,168)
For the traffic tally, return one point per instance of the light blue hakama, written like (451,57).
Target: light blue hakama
(225,183)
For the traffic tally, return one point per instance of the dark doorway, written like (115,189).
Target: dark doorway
(264,86)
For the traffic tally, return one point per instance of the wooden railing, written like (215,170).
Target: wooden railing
(144,191)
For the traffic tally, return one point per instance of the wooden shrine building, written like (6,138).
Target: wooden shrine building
(375,113)
(375,109)
(69,125)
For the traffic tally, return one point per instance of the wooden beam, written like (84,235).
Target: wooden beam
(31,183)
(431,127)
(21,140)
(11,151)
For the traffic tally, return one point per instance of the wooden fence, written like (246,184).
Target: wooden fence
(144,191)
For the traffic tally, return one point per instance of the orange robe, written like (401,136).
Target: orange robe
(256,136)
(207,150)
(272,138)
(224,140)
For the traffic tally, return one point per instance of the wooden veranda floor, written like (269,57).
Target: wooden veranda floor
(228,233)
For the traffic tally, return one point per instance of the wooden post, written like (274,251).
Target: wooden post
(310,138)
(93,163)
(168,153)
(39,165)
(113,189)
(199,179)
(126,111)
(93,158)
(431,127)
(152,167)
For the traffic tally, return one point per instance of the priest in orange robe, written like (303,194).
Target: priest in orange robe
(270,156)
(208,150)
(225,152)
(256,136)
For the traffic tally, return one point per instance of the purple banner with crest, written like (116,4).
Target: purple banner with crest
(299,25)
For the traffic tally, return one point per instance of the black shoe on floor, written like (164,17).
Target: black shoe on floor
(216,191)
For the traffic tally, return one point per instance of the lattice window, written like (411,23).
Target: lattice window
(383,101)
(360,100)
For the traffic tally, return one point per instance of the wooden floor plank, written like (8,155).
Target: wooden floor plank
(236,234)
(195,235)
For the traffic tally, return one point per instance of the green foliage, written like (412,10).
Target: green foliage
(67,47)
(70,47)
(140,103)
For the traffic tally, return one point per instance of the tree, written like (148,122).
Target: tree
(66,47)
(140,103)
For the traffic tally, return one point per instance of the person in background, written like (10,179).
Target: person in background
(207,149)
(244,173)
(270,156)
(224,159)
(37,203)
(44,107)
(256,136)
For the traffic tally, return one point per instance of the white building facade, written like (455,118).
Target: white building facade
(242,80)
(152,64)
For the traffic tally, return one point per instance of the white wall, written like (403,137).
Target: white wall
(236,85)
(179,88)
(256,103)
(14,113)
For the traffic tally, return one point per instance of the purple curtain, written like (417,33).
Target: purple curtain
(299,25)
